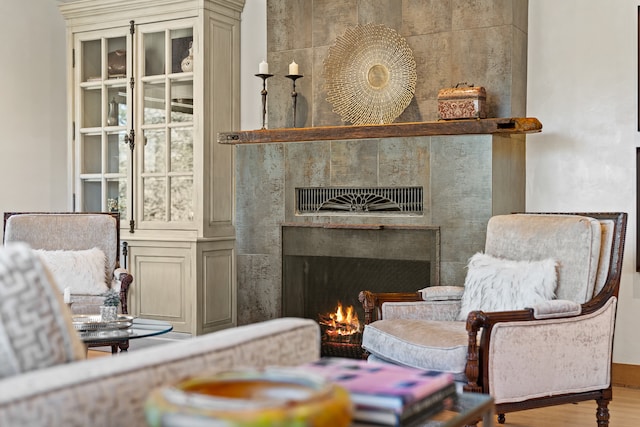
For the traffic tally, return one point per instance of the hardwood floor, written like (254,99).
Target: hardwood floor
(624,410)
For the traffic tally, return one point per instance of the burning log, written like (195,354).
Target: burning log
(340,326)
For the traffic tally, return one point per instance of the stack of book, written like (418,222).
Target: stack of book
(389,394)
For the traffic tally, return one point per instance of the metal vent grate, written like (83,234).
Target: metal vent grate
(359,200)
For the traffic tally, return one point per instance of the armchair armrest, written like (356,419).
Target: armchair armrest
(441,310)
(372,302)
(556,308)
(431,303)
(479,321)
(515,335)
(442,293)
(125,279)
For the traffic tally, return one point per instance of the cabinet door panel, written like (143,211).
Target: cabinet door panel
(91,195)
(181,198)
(91,154)
(101,93)
(219,293)
(154,103)
(155,199)
(91,114)
(181,101)
(154,53)
(117,153)
(162,277)
(155,151)
(181,150)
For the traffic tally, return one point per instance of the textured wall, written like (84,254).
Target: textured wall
(465,179)
(483,42)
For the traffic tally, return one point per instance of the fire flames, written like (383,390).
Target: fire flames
(342,324)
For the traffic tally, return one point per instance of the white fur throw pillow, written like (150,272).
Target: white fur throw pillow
(495,284)
(83,271)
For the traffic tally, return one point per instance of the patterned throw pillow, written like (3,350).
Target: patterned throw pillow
(496,284)
(36,329)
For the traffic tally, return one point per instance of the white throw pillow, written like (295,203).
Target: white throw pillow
(83,271)
(495,284)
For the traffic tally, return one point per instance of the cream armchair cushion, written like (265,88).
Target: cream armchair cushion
(441,345)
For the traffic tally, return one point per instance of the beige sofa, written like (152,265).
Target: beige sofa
(110,391)
(45,379)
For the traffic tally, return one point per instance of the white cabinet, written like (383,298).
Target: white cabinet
(151,83)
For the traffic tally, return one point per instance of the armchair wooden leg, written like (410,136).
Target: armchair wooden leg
(602,413)
(501,418)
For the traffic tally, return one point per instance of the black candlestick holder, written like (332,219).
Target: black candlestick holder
(264,78)
(294,94)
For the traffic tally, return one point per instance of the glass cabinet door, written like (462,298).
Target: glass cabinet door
(101,121)
(165,185)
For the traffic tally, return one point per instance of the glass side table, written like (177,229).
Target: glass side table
(114,338)
(469,408)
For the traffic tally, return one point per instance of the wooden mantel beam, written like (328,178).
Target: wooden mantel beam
(442,127)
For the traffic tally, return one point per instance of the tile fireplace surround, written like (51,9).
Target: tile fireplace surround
(465,177)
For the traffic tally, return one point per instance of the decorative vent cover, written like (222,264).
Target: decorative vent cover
(359,200)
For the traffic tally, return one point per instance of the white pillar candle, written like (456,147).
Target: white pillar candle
(67,295)
(264,68)
(293,68)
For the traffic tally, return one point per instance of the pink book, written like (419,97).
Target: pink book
(382,385)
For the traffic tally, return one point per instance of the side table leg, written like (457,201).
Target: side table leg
(487,418)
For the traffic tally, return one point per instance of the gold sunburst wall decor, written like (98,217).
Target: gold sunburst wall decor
(370,75)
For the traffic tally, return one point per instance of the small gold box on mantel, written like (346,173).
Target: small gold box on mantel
(462,102)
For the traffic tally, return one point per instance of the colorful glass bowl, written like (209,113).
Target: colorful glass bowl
(270,397)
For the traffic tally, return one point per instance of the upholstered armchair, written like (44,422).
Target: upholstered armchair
(534,324)
(82,251)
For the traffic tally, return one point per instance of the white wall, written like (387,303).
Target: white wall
(33,142)
(582,78)
(253,50)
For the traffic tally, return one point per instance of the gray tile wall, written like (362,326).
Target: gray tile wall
(481,42)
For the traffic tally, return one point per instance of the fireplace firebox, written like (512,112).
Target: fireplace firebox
(325,265)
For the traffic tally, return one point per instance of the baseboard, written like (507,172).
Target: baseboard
(625,375)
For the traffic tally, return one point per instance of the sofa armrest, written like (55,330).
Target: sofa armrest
(99,392)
